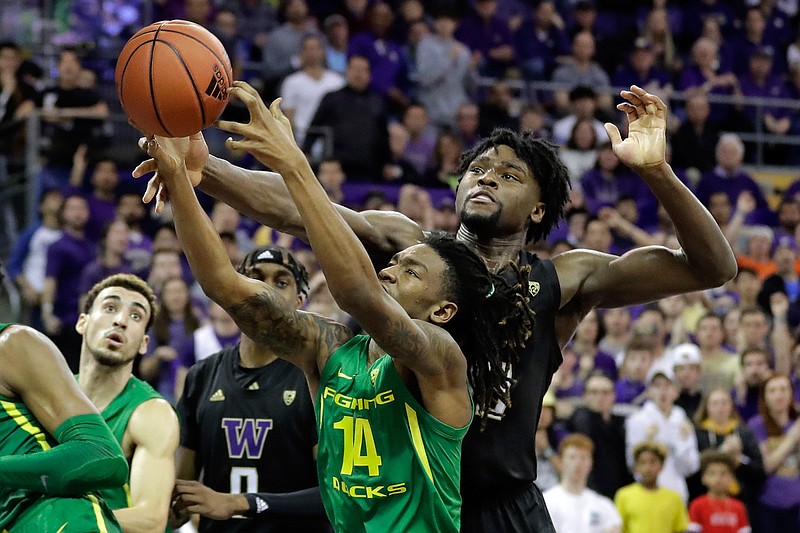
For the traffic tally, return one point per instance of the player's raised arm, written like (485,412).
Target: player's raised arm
(263,196)
(259,311)
(87,457)
(705,258)
(422,347)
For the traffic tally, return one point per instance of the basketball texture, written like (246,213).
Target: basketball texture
(172,78)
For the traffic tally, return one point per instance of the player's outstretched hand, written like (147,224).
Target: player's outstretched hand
(192,150)
(197,498)
(646,143)
(268,135)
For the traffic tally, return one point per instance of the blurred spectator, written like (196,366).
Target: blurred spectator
(641,70)
(585,345)
(728,176)
(636,362)
(111,259)
(422,139)
(582,70)
(607,430)
(572,506)
(228,220)
(337,38)
(17,101)
(445,216)
(218,333)
(399,169)
(355,11)
(357,119)
(388,70)
(495,111)
(70,114)
(784,281)
(303,90)
(541,42)
(647,506)
(657,30)
(752,38)
(103,198)
(788,216)
(686,364)
(28,261)
(720,428)
(166,264)
(609,181)
(582,106)
(446,160)
(226,28)
(793,91)
(717,510)
(567,384)
(754,328)
(535,120)
(651,324)
(321,302)
(173,326)
(706,73)
(66,259)
(617,327)
(697,12)
(409,13)
(720,367)
(490,39)
(579,154)
(623,221)
(282,47)
(443,68)
(547,461)
(255,20)
(332,177)
(711,30)
(418,31)
(467,121)
(757,251)
(131,210)
(597,236)
(777,429)
(415,203)
(695,141)
(660,420)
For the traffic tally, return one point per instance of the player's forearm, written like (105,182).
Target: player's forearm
(306,502)
(707,251)
(261,196)
(140,519)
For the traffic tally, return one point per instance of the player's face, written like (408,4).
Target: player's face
(114,330)
(717,477)
(498,194)
(648,466)
(414,279)
(279,278)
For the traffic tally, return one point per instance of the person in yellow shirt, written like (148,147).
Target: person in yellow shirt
(644,506)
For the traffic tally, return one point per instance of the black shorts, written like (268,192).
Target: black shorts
(520,511)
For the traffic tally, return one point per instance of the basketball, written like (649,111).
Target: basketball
(172,78)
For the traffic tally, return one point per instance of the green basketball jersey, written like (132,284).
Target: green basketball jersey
(117,415)
(384,463)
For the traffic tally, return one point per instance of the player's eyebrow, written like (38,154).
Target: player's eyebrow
(118,299)
(413,262)
(504,162)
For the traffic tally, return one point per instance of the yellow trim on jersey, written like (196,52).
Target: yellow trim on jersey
(26,424)
(98,514)
(321,411)
(416,439)
(127,488)
(62,527)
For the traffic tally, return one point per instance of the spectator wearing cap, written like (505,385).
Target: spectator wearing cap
(596,420)
(389,76)
(337,36)
(784,281)
(541,42)
(720,368)
(641,69)
(660,420)
(686,364)
(489,38)
(582,70)
(443,69)
(719,427)
(728,176)
(694,143)
(582,105)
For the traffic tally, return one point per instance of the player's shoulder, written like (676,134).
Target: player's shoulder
(17,341)
(154,420)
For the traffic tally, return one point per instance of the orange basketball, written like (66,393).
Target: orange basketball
(172,78)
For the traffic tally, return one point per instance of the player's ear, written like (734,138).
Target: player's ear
(143,345)
(80,325)
(537,214)
(443,312)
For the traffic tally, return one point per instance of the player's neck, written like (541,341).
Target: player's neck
(496,252)
(102,383)
(253,356)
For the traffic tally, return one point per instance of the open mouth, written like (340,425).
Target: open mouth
(115,339)
(482,198)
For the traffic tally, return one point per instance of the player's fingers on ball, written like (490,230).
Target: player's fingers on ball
(145,167)
(246,87)
(232,127)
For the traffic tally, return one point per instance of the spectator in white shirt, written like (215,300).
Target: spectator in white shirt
(573,507)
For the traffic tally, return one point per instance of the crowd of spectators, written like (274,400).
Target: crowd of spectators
(384,96)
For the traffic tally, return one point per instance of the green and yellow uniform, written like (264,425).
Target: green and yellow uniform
(384,463)
(25,511)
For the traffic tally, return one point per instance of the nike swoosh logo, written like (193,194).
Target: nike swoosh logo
(62,527)
(343,375)
(43,479)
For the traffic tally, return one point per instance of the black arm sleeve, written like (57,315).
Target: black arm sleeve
(306,502)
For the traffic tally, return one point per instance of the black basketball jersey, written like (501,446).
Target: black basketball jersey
(253,430)
(502,457)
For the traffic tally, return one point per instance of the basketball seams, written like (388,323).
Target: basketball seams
(152,89)
(222,62)
(191,79)
(121,83)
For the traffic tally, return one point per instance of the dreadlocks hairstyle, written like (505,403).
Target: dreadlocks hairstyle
(493,321)
(548,170)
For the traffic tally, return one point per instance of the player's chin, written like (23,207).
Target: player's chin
(113,358)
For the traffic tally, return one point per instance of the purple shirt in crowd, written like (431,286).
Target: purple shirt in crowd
(387,66)
(96,271)
(181,342)
(101,212)
(483,36)
(781,488)
(733,185)
(627,390)
(601,191)
(66,259)
(627,76)
(771,88)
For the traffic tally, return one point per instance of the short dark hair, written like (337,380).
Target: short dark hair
(715,457)
(493,321)
(755,350)
(546,168)
(9,44)
(656,448)
(125,281)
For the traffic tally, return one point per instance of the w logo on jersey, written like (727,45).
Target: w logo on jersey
(246,436)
